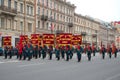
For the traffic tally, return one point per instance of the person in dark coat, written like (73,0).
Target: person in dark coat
(40,51)
(15,51)
(25,51)
(103,51)
(109,51)
(11,52)
(89,51)
(79,51)
(36,51)
(1,51)
(44,50)
(5,51)
(114,51)
(30,50)
(68,52)
(50,52)
(57,52)
(63,52)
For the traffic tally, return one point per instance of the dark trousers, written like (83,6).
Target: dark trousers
(79,57)
(44,55)
(110,55)
(39,54)
(10,55)
(67,57)
(115,54)
(103,55)
(62,55)
(20,56)
(89,56)
(50,55)
(5,56)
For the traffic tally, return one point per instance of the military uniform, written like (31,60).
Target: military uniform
(89,50)
(40,51)
(36,51)
(6,52)
(63,52)
(25,51)
(44,50)
(57,51)
(79,50)
(50,51)
(30,51)
(109,50)
(68,52)
(103,50)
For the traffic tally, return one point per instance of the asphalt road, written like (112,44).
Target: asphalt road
(39,69)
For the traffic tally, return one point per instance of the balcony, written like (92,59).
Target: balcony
(83,33)
(70,24)
(94,35)
(44,17)
(8,10)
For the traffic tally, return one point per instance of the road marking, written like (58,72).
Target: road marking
(30,65)
(12,61)
(112,77)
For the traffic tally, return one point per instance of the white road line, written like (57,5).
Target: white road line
(13,61)
(113,77)
(36,64)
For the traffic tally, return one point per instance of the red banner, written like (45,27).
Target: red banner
(24,38)
(48,39)
(65,39)
(7,41)
(35,39)
(76,39)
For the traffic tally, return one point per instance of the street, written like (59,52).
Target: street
(39,69)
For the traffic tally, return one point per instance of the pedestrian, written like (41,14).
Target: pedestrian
(63,52)
(30,50)
(11,52)
(25,51)
(40,51)
(93,50)
(5,51)
(68,52)
(114,51)
(36,51)
(50,52)
(1,51)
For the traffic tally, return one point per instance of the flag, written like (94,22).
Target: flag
(52,26)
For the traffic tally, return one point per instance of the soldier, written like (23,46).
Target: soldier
(15,51)
(89,50)
(40,51)
(63,51)
(1,51)
(109,51)
(93,50)
(79,50)
(114,51)
(103,50)
(35,51)
(5,51)
(68,52)
(25,51)
(11,51)
(71,52)
(57,51)
(44,50)
(50,51)
(30,50)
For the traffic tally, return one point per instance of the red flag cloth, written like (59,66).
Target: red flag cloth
(20,48)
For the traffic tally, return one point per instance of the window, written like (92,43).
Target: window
(47,25)
(27,9)
(15,5)
(47,3)
(31,10)
(21,26)
(38,10)
(15,25)
(38,24)
(2,22)
(43,11)
(9,3)
(21,7)
(29,27)
(42,2)
(47,13)
(1,2)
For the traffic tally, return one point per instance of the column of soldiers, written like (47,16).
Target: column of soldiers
(28,51)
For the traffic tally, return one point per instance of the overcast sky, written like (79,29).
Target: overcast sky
(106,10)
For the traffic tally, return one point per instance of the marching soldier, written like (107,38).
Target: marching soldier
(71,52)
(35,51)
(68,52)
(44,50)
(40,51)
(57,51)
(89,50)
(63,52)
(114,51)
(103,50)
(25,51)
(5,51)
(11,51)
(109,51)
(93,50)
(50,51)
(30,50)
(79,50)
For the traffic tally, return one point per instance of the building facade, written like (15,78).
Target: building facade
(86,27)
(54,16)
